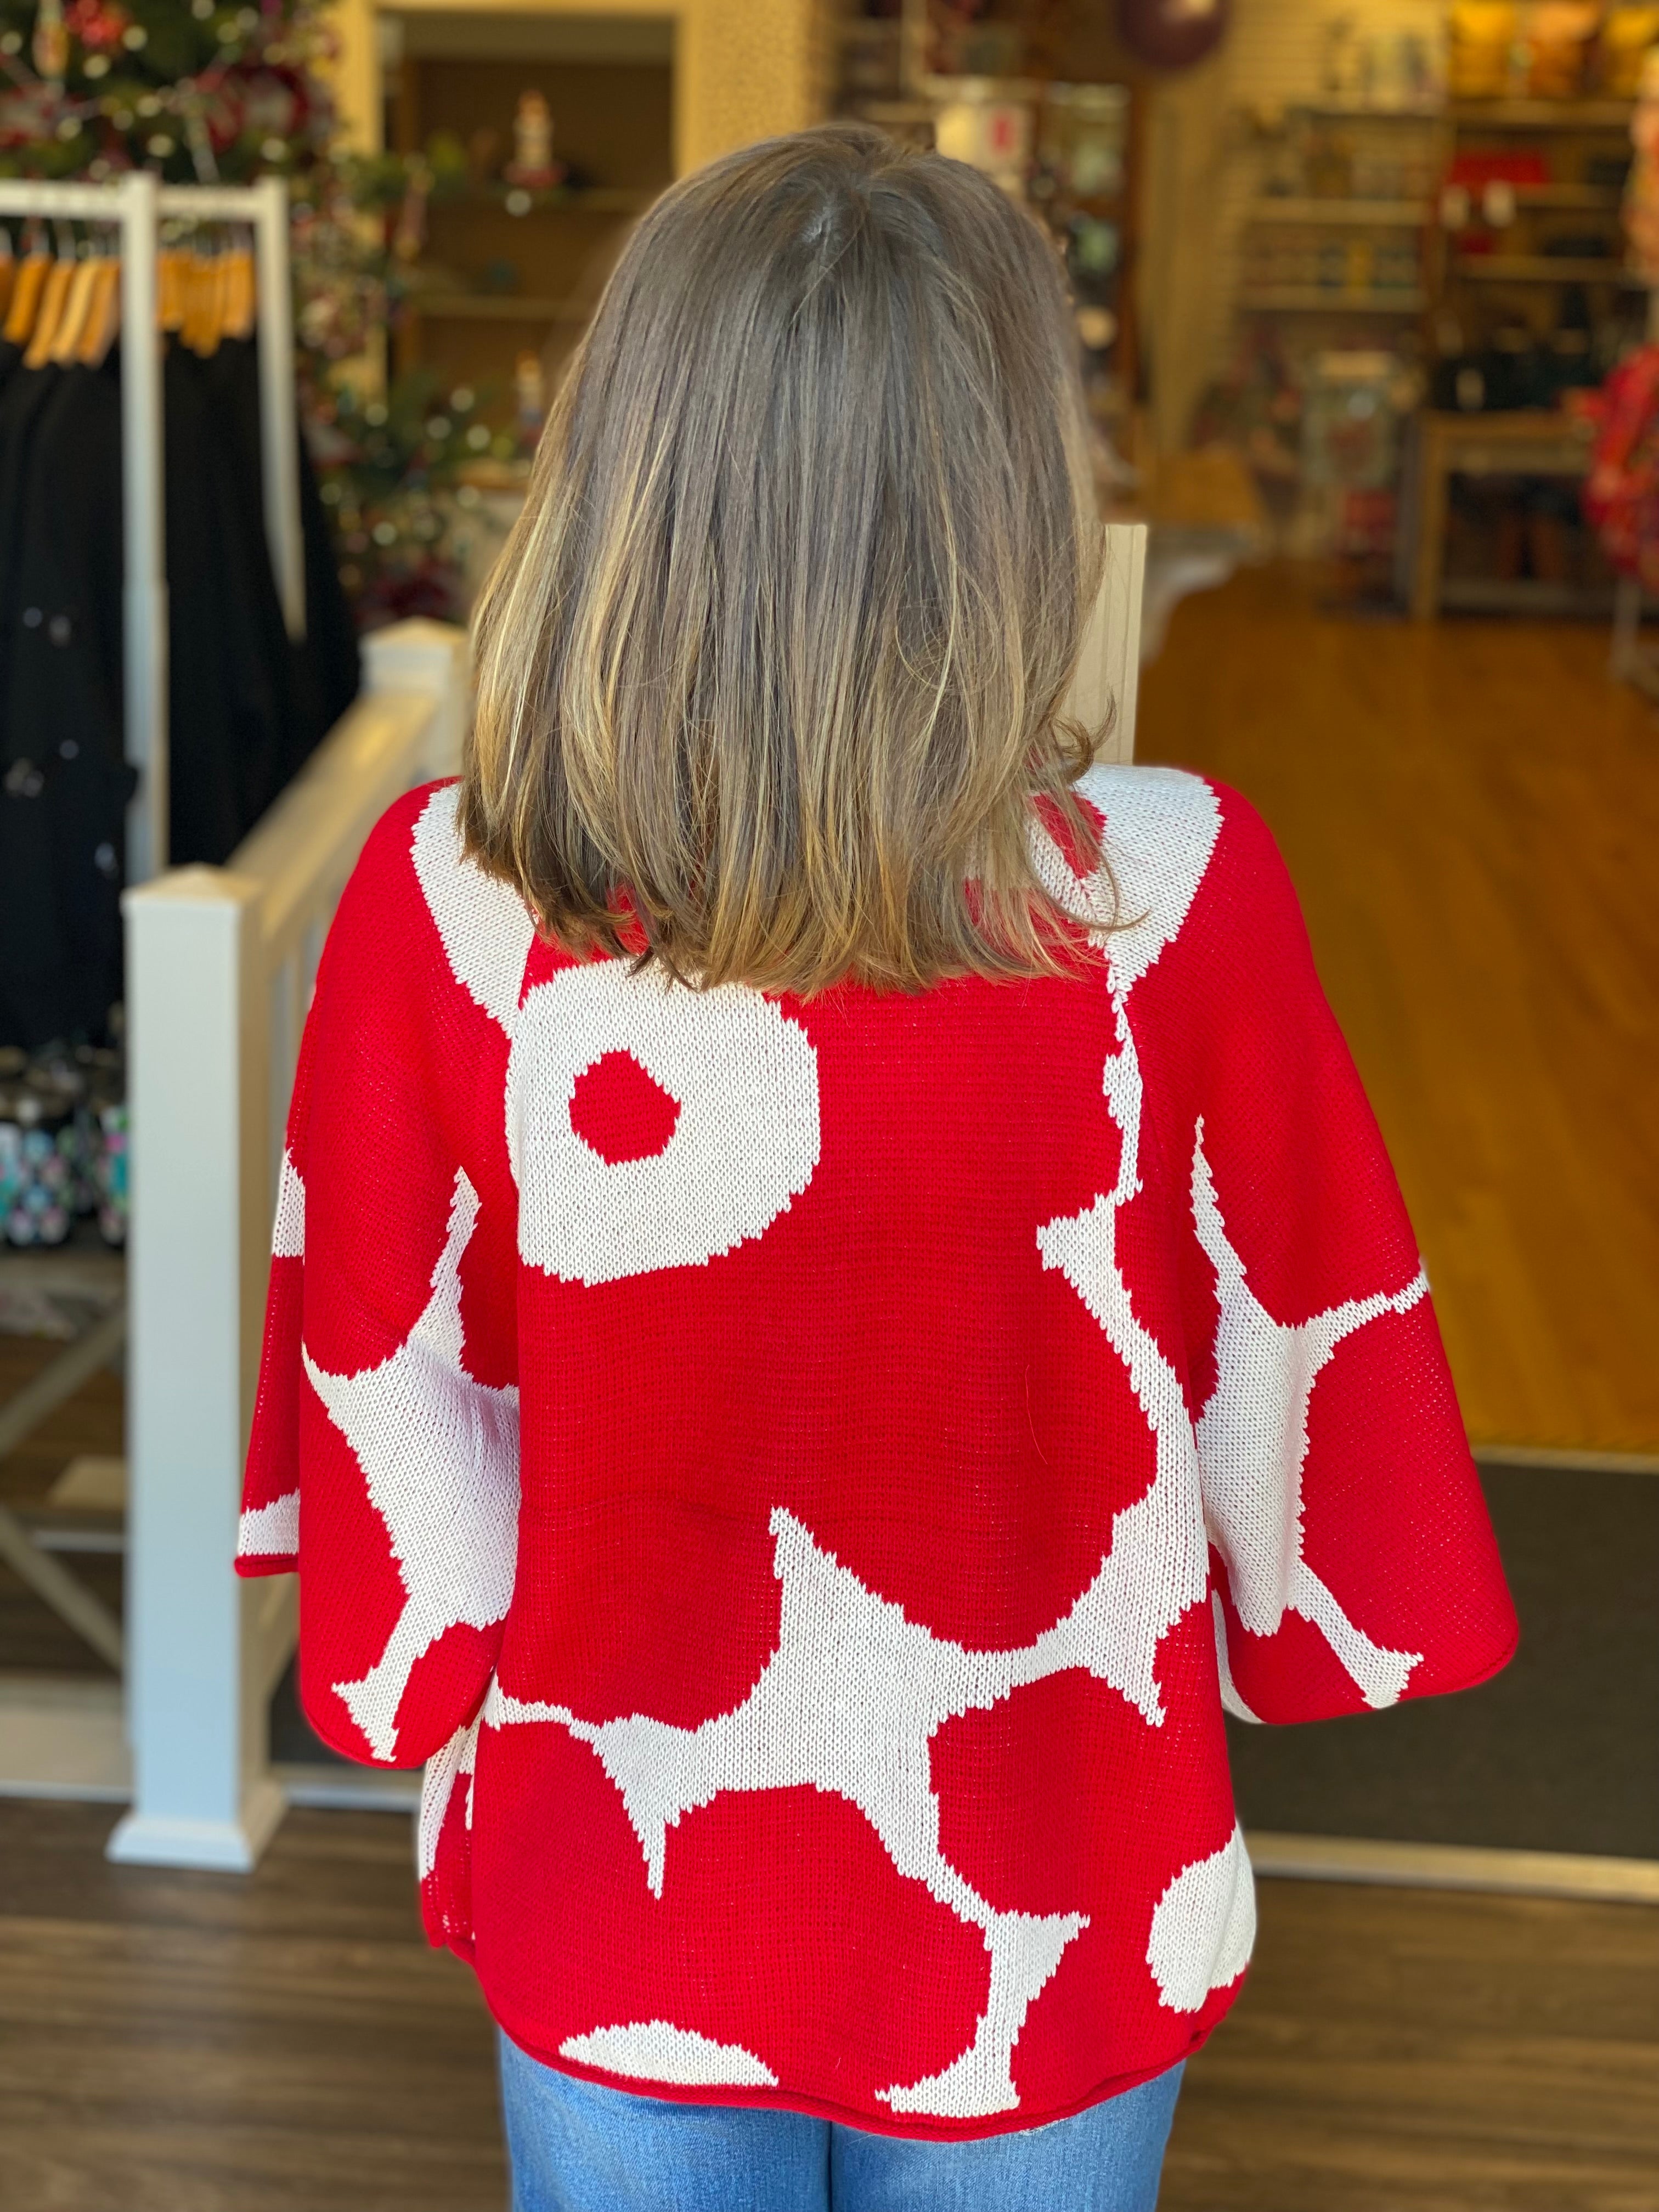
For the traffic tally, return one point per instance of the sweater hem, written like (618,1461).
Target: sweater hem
(923,2128)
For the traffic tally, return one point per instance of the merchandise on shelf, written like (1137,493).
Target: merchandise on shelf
(1548,50)
(1482,48)
(62,1145)
(1532,299)
(988,133)
(1560,46)
(1627,35)
(1640,208)
(1077,185)
(1392,68)
(1354,405)
(1013,90)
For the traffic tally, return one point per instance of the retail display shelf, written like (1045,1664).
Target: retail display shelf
(1543,269)
(1540,114)
(575,199)
(498,307)
(1404,213)
(1500,595)
(1297,298)
(1364,111)
(1567,195)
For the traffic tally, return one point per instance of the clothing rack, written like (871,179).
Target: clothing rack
(138,203)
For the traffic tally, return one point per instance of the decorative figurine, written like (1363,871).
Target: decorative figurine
(51,44)
(530,392)
(532,166)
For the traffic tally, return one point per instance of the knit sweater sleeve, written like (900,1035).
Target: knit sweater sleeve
(1353,1561)
(383,1459)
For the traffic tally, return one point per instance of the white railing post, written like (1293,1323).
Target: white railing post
(431,657)
(1107,683)
(203,1795)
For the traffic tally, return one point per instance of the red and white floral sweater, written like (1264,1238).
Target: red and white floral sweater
(806,1476)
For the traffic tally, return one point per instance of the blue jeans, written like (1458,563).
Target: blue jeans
(576,2147)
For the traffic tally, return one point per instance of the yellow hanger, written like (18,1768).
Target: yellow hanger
(103,313)
(72,322)
(210,305)
(220,297)
(170,287)
(26,296)
(199,331)
(190,299)
(240,303)
(50,313)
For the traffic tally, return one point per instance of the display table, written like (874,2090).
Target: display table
(1528,442)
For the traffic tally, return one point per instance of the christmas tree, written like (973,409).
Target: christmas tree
(205,93)
(198,92)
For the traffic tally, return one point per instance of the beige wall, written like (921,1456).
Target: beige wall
(743,69)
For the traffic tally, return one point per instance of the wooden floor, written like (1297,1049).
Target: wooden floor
(1471,813)
(199,2042)
(195,2043)
(31,1634)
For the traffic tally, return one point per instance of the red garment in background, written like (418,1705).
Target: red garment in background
(1621,493)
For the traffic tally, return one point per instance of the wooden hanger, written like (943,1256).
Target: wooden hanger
(50,313)
(104,314)
(241,303)
(222,282)
(72,322)
(210,303)
(170,287)
(197,329)
(8,276)
(30,283)
(190,299)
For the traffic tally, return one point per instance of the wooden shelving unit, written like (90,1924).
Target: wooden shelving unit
(1357,253)
(507,269)
(1329,307)
(502,308)
(1541,269)
(1518,312)
(1082,98)
(1283,208)
(1531,115)
(1311,300)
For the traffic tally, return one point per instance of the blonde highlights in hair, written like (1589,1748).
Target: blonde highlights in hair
(770,673)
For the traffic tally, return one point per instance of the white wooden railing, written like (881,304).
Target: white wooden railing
(220,963)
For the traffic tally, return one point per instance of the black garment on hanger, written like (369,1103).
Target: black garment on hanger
(328,671)
(232,696)
(63,781)
(246,708)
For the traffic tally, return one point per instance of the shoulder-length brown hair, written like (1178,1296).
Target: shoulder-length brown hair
(773,661)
